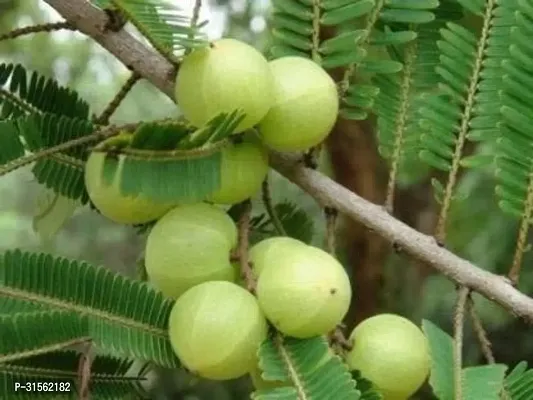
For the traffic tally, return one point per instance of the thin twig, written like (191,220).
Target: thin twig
(458,322)
(67,345)
(84,370)
(99,134)
(103,119)
(331,224)
(338,342)
(194,21)
(270,209)
(481,334)
(244,232)
(523,231)
(55,26)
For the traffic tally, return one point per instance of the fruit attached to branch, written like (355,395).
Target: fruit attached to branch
(223,77)
(216,329)
(305,106)
(302,290)
(262,253)
(189,245)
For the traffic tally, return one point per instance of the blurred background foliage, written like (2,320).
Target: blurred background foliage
(478,231)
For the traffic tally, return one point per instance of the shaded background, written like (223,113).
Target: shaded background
(382,281)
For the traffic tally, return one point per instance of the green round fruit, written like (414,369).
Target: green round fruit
(191,244)
(216,329)
(303,291)
(223,77)
(392,353)
(109,200)
(244,168)
(305,106)
(264,252)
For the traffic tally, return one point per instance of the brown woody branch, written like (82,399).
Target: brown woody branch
(156,69)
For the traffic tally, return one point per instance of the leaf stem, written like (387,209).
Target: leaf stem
(243,244)
(523,231)
(4,359)
(103,119)
(469,104)
(194,21)
(315,54)
(21,104)
(481,334)
(270,209)
(84,370)
(50,27)
(167,53)
(401,123)
(51,151)
(331,215)
(352,68)
(458,322)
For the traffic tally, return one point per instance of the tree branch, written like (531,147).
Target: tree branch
(156,69)
(92,21)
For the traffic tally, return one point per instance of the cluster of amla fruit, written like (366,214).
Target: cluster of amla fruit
(291,101)
(216,326)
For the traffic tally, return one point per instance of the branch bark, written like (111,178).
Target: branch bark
(156,69)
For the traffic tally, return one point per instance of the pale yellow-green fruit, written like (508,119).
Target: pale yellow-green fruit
(305,105)
(304,292)
(244,168)
(392,353)
(268,251)
(109,200)
(216,329)
(223,77)
(191,244)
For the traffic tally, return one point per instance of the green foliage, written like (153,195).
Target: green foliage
(36,94)
(122,317)
(519,382)
(39,114)
(368,392)
(480,382)
(307,365)
(61,171)
(434,83)
(401,96)
(296,32)
(513,166)
(30,333)
(111,378)
(295,222)
(170,161)
(468,103)
(164,24)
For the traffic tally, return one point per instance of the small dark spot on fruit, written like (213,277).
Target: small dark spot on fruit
(332,291)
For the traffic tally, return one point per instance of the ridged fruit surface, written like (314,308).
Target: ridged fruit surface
(392,352)
(191,244)
(224,77)
(305,105)
(109,200)
(216,329)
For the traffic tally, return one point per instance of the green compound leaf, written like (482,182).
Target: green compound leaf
(314,372)
(169,162)
(123,317)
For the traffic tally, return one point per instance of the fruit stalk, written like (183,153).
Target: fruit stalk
(243,244)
